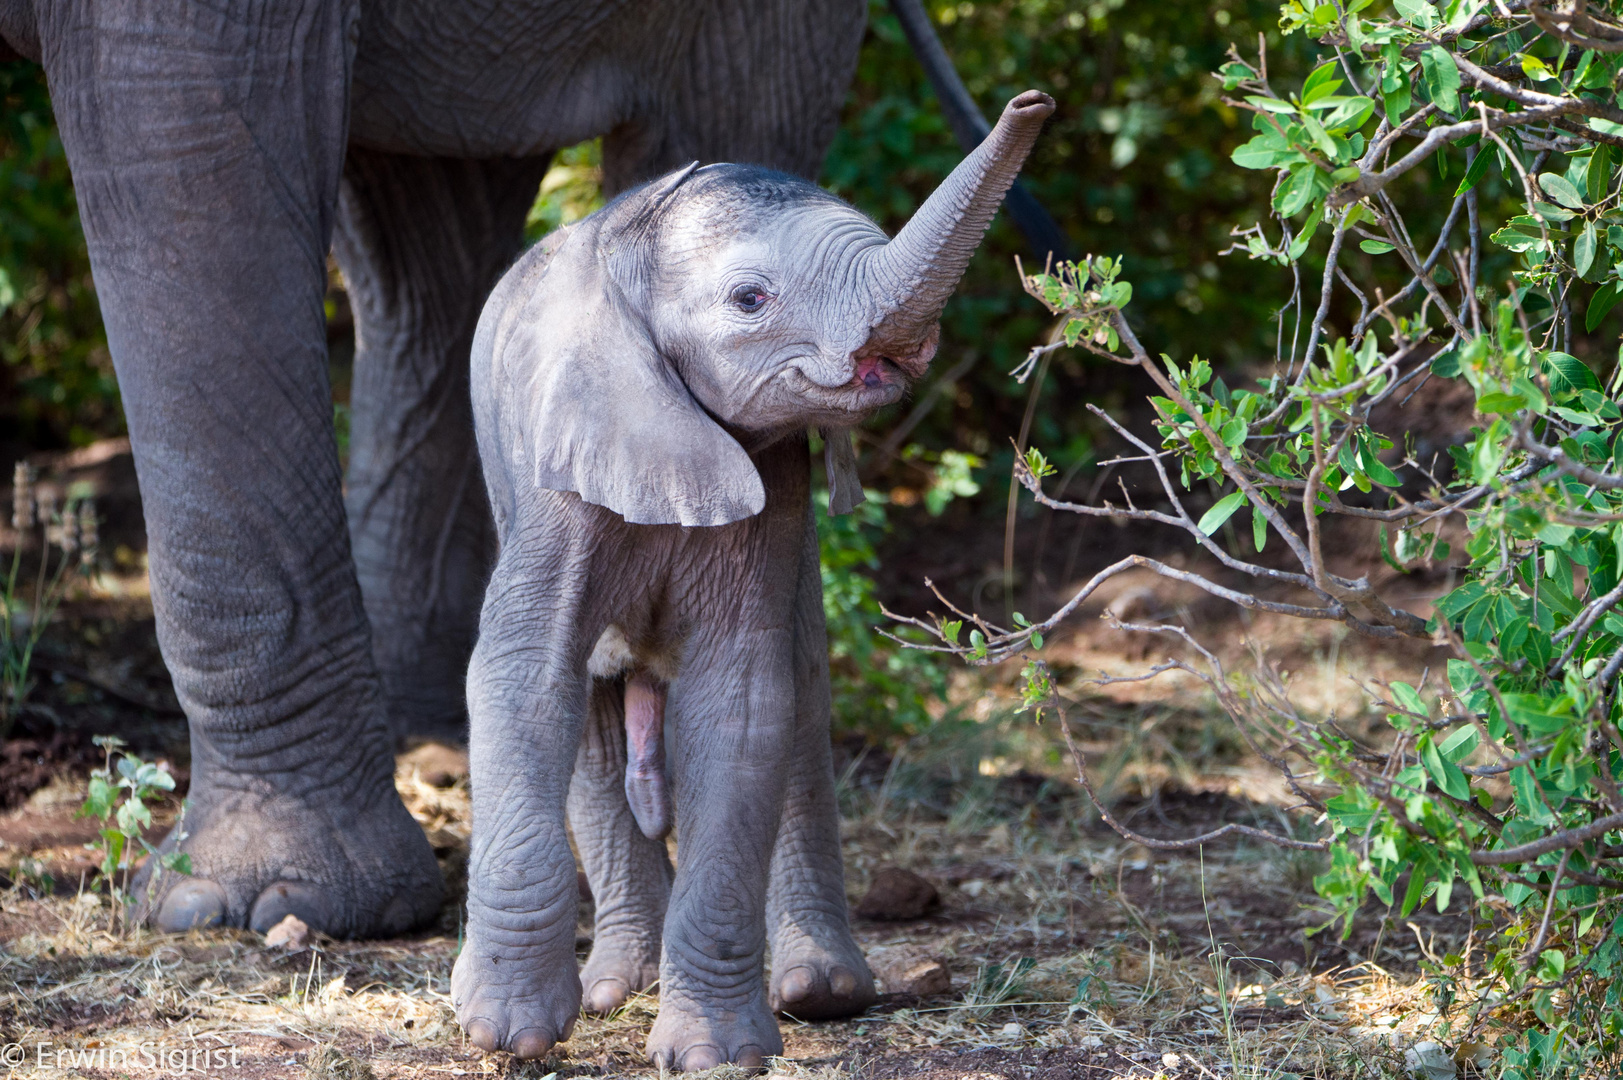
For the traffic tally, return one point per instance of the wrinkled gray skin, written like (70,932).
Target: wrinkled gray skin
(218,151)
(642,383)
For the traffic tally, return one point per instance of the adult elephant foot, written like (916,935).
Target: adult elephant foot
(513,997)
(687,1037)
(821,980)
(348,867)
(617,968)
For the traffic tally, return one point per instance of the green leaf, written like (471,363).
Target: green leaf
(1535,69)
(1375,247)
(1418,12)
(1442,78)
(1598,177)
(1259,529)
(1349,113)
(1396,101)
(950,630)
(99,799)
(1269,104)
(1499,402)
(1409,698)
(1221,511)
(1583,249)
(1445,773)
(1458,746)
(1475,172)
(1297,190)
(1569,374)
(1561,190)
(1264,152)
(1321,83)
(1604,300)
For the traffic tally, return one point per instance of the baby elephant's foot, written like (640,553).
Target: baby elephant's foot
(816,982)
(616,970)
(687,1038)
(513,998)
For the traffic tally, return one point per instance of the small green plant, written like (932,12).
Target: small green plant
(119,795)
(1004,983)
(67,544)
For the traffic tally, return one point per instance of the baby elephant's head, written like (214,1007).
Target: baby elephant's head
(634,356)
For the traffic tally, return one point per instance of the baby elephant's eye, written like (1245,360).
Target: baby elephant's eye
(750,297)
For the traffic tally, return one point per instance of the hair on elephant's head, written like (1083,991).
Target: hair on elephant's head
(634,355)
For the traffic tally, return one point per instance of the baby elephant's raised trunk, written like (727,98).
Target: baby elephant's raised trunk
(915,273)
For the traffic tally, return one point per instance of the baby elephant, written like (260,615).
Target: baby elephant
(642,383)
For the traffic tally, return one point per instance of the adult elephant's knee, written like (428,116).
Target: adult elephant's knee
(421,241)
(206,143)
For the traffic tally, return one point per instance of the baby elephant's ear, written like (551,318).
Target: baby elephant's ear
(597,410)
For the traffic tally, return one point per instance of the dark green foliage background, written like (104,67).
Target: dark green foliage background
(1135,161)
(56,379)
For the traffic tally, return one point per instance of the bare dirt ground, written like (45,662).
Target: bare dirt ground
(1069,953)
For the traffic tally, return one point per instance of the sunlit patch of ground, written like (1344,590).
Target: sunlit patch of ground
(1072,954)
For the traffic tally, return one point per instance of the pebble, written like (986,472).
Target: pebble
(292,934)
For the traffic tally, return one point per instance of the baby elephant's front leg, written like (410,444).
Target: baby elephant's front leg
(515,985)
(733,708)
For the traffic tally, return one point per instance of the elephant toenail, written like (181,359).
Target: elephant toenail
(606,995)
(530,1043)
(283,898)
(842,982)
(191,904)
(751,1057)
(699,1057)
(482,1033)
(797,984)
(569,1028)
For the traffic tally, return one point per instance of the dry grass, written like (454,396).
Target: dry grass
(1073,955)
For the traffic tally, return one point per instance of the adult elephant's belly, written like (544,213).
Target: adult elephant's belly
(501,78)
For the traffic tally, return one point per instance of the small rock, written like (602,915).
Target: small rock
(1429,1061)
(291,934)
(909,969)
(896,895)
(1013,1030)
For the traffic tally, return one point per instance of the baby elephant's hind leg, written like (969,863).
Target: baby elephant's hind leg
(630,874)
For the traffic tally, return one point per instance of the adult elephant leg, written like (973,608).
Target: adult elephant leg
(206,143)
(732,707)
(629,873)
(818,972)
(421,241)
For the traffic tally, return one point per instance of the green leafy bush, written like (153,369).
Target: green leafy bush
(880,689)
(1495,783)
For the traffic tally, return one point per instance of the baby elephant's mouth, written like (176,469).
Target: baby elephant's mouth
(876,371)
